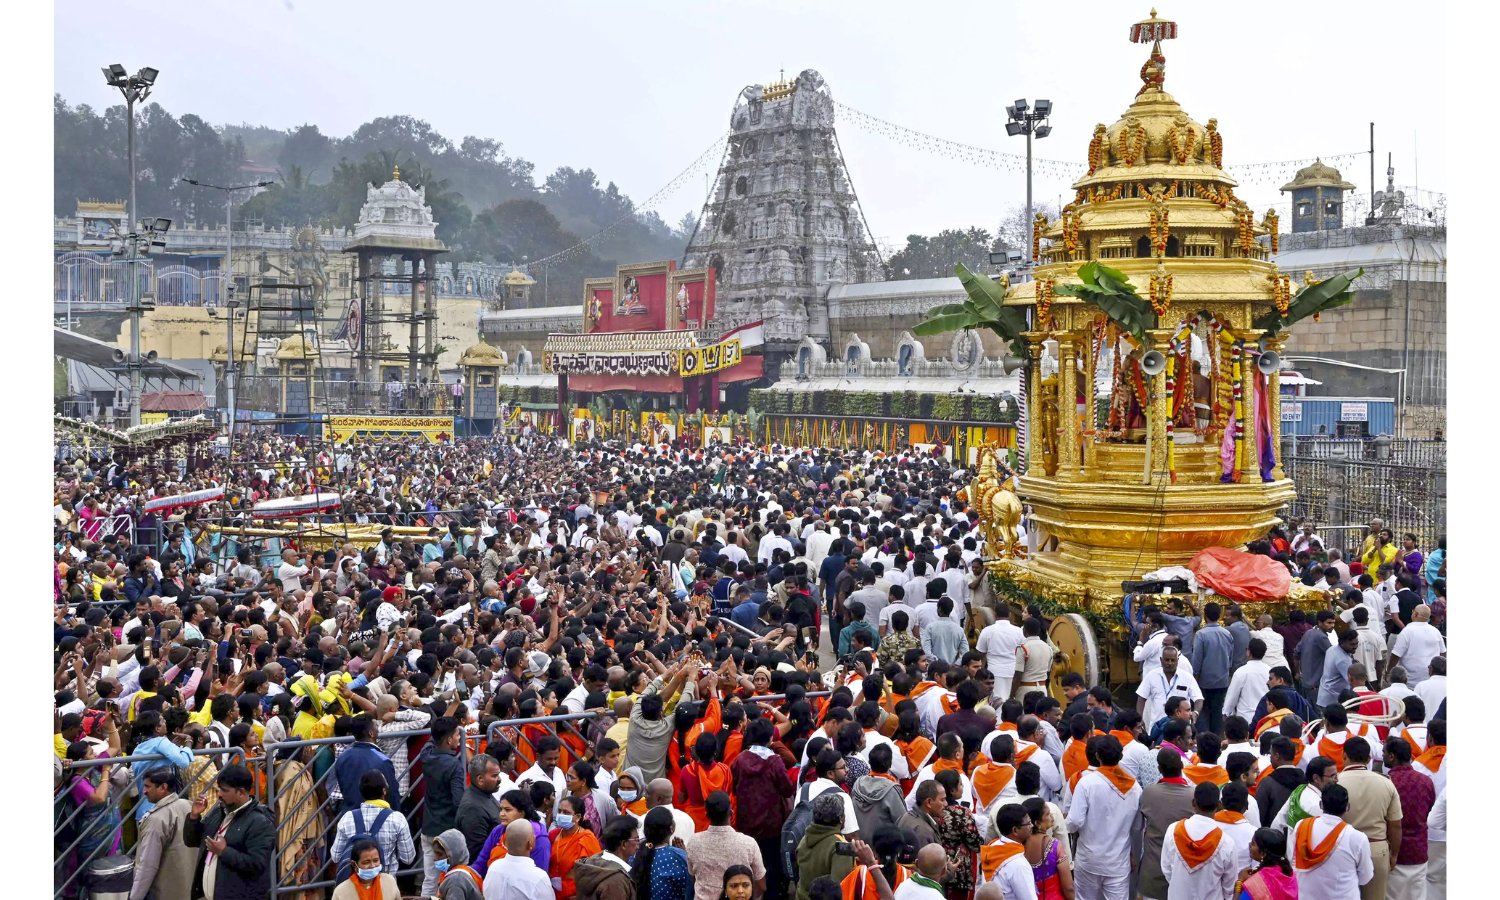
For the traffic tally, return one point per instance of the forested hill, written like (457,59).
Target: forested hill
(490,207)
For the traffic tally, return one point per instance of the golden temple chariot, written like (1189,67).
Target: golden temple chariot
(1154,480)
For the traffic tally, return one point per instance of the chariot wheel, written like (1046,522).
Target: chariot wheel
(1078,651)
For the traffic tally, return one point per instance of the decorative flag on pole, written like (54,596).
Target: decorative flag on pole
(751,335)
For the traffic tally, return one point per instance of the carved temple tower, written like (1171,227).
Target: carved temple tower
(782,224)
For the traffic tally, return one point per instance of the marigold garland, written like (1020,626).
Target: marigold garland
(1215,144)
(1180,153)
(1281,292)
(1246,232)
(1037,226)
(1161,293)
(1273,225)
(1098,150)
(1044,298)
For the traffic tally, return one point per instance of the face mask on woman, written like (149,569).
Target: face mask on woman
(563,821)
(628,796)
(440,865)
(369,874)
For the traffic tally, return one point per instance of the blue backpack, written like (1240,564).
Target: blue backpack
(363,831)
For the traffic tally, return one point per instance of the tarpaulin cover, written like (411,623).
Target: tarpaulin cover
(1235,575)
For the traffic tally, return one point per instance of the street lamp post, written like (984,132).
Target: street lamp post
(231,366)
(1028,121)
(134,88)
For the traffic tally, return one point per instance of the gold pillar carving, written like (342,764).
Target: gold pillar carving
(1275,345)
(1161,339)
(1090,413)
(1250,474)
(1034,406)
(1067,407)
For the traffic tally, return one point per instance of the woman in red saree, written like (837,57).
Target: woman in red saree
(702,777)
(1270,874)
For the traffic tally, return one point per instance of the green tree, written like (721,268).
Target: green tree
(309,150)
(935,257)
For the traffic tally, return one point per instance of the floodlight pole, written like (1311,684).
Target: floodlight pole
(133,88)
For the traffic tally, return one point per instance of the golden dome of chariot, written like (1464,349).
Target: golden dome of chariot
(482,354)
(296,347)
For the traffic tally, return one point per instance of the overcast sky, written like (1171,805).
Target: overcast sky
(637,91)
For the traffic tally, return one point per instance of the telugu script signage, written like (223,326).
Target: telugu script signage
(1291,412)
(1354,412)
(713,358)
(342,429)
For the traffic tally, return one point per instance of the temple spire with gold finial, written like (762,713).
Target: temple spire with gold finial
(1153,31)
(396,174)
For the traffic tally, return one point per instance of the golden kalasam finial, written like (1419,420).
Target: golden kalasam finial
(1153,31)
(396,174)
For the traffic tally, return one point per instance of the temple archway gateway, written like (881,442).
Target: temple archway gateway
(1183,456)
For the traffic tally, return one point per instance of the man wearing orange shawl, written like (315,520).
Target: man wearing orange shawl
(1196,857)
(1003,860)
(1331,859)
(702,777)
(1206,768)
(1432,762)
(1106,804)
(1075,759)
(1337,730)
(994,782)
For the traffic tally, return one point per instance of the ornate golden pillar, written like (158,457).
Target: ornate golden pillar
(1067,407)
(1090,411)
(1250,474)
(1034,405)
(1275,345)
(1161,339)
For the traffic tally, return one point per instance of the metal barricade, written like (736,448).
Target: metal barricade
(305,836)
(116,816)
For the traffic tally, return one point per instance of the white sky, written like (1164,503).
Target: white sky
(637,91)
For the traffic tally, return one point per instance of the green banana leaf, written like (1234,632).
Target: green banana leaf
(1317,297)
(942,324)
(1111,291)
(987,299)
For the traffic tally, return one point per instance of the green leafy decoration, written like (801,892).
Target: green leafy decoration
(1111,291)
(985,308)
(1315,298)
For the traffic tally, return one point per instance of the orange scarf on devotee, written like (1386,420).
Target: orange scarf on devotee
(1075,762)
(1124,737)
(1024,753)
(994,854)
(1196,853)
(1117,777)
(916,751)
(1198,773)
(638,807)
(1228,817)
(1007,726)
(367,890)
(990,780)
(887,776)
(943,765)
(1433,757)
(1305,855)
(732,747)
(714,778)
(1417,748)
(1270,720)
(1332,746)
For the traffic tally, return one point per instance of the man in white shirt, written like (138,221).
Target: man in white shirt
(1336,871)
(1417,645)
(548,749)
(1148,651)
(1003,860)
(1103,816)
(1434,690)
(1275,643)
(1212,870)
(289,572)
(515,875)
(1168,681)
(1249,683)
(999,643)
(773,542)
(1397,688)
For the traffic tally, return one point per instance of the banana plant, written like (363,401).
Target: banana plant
(985,308)
(1313,299)
(1111,291)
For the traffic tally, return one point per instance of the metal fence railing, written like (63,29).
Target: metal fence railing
(1401,451)
(1342,495)
(307,811)
(84,831)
